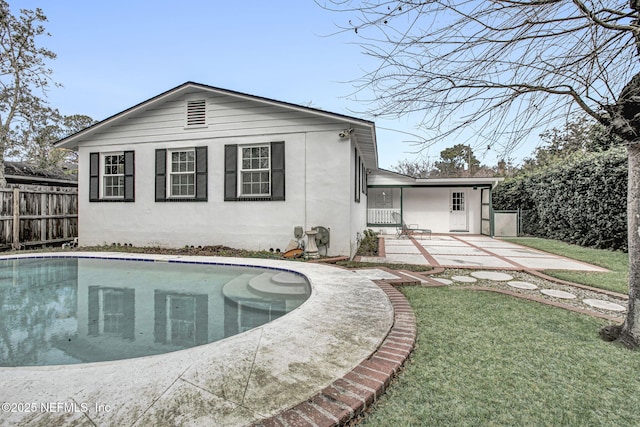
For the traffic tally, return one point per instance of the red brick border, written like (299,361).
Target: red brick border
(382,249)
(349,396)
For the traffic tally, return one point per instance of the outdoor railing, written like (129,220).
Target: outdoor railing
(381,216)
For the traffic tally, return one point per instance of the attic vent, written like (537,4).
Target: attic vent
(196,113)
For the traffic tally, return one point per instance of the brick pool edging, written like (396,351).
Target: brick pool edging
(348,397)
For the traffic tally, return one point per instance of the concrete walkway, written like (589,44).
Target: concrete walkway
(473,251)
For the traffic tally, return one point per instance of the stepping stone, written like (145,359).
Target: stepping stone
(443,280)
(464,279)
(558,294)
(492,275)
(605,305)
(522,285)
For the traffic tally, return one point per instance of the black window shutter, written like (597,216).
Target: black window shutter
(129,314)
(160,314)
(94,177)
(356,176)
(201,174)
(94,310)
(129,176)
(359,178)
(277,171)
(202,319)
(230,172)
(161,175)
(366,182)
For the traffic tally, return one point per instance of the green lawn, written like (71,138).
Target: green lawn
(616,262)
(484,359)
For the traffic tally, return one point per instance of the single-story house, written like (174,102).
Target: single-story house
(200,165)
(443,205)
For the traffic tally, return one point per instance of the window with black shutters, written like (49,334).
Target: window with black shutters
(181,174)
(254,172)
(112,177)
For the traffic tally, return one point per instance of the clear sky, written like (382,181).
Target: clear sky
(114,54)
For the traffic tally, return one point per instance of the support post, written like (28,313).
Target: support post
(16,219)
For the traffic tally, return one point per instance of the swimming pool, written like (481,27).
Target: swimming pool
(235,381)
(67,310)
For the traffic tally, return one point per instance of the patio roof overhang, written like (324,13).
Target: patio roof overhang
(458,182)
(384,178)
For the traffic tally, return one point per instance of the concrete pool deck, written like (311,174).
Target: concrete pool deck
(338,332)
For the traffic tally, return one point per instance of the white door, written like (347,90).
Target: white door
(458,211)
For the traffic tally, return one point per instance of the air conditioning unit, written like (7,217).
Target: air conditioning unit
(322,238)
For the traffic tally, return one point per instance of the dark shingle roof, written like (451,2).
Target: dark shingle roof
(23,172)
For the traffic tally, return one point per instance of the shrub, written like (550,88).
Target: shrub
(580,200)
(368,244)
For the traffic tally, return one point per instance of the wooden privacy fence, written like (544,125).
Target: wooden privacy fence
(37,215)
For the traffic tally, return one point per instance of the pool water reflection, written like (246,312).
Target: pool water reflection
(76,310)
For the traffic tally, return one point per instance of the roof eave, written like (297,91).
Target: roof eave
(31,178)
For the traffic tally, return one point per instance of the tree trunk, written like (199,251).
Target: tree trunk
(3,179)
(4,143)
(630,335)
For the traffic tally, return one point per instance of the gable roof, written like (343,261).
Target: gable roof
(363,130)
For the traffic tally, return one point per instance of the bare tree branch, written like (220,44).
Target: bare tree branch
(451,61)
(23,73)
(506,68)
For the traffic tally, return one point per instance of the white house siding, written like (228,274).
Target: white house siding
(429,207)
(315,168)
(327,197)
(358,209)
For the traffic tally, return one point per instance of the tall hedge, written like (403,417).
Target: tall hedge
(580,200)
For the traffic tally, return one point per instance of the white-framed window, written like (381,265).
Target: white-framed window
(255,170)
(181,322)
(182,173)
(457,201)
(113,176)
(113,311)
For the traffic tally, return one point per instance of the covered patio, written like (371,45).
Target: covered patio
(443,205)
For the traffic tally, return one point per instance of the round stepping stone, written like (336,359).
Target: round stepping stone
(443,280)
(492,275)
(464,279)
(605,305)
(522,285)
(558,294)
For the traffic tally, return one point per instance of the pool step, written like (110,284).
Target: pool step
(281,284)
(250,290)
